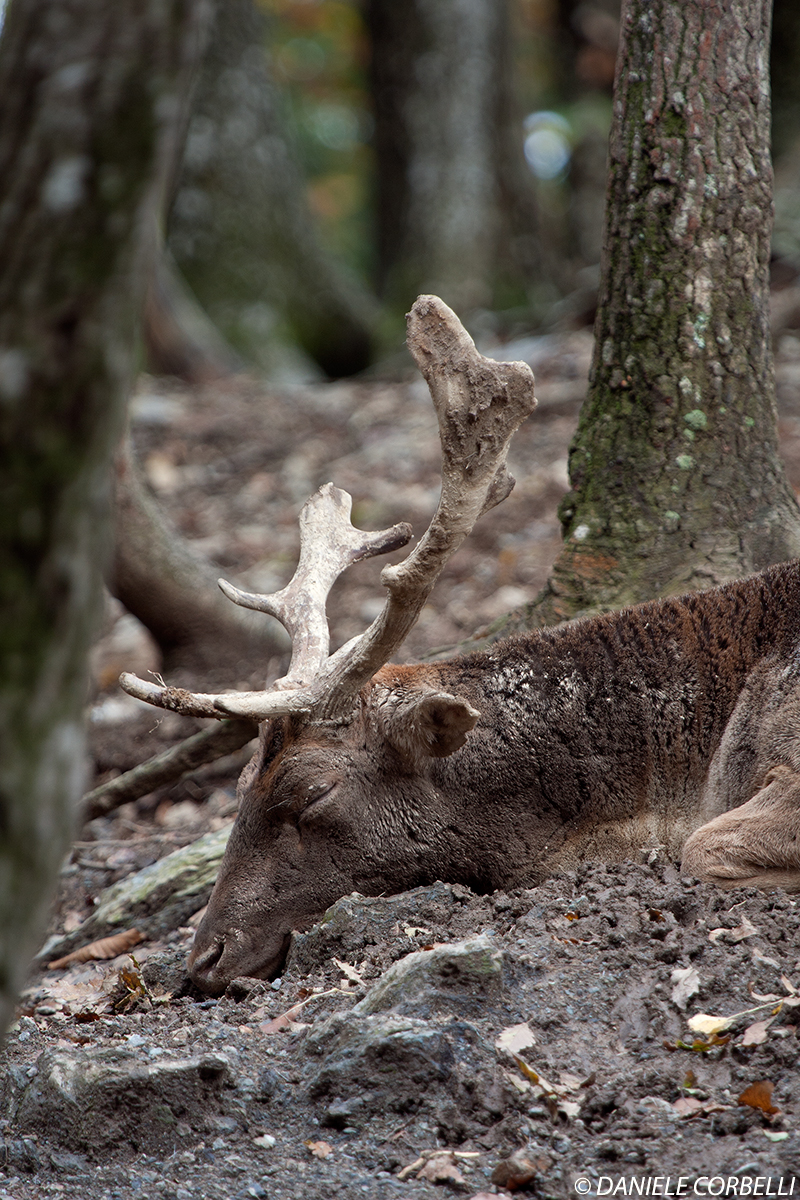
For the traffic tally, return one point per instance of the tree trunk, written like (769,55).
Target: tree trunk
(456,209)
(173,591)
(675,474)
(87,126)
(240,228)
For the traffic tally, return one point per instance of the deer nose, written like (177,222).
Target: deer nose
(202,969)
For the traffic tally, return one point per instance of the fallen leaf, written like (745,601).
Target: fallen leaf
(569,1108)
(687,984)
(518,1082)
(706,1023)
(745,930)
(414,930)
(284,1022)
(104,948)
(687,1106)
(758,957)
(787,983)
(351,973)
(130,988)
(533,1075)
(766,997)
(320,1149)
(759,1095)
(775,1135)
(704,1108)
(571,1083)
(756,1033)
(515,1038)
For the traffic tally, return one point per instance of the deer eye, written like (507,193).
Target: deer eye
(316,792)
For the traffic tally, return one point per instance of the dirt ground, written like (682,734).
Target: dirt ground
(542,1046)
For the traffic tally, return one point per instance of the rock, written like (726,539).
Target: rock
(460,977)
(155,900)
(97,1101)
(387,1062)
(519,1169)
(357,921)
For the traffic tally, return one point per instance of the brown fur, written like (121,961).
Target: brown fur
(588,741)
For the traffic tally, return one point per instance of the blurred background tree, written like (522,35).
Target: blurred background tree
(341,152)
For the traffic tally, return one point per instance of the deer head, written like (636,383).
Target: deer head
(338,796)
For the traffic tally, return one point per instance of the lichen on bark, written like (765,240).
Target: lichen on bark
(676,481)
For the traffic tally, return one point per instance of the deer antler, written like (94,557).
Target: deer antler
(480,404)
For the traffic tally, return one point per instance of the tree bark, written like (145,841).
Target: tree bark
(456,208)
(240,228)
(173,591)
(87,127)
(676,479)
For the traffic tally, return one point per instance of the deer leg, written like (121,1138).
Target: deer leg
(754,845)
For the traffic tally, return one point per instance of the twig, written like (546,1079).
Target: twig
(201,748)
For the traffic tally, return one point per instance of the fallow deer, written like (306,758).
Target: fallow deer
(674,722)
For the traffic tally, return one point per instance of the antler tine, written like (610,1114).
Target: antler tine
(480,404)
(328,545)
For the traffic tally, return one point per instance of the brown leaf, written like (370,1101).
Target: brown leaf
(285,1022)
(320,1149)
(108,947)
(515,1038)
(688,1106)
(756,1033)
(759,1095)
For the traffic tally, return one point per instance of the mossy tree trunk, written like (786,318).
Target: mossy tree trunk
(675,474)
(87,126)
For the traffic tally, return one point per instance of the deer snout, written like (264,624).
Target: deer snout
(203,968)
(230,955)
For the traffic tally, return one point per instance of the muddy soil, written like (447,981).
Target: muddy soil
(427,1044)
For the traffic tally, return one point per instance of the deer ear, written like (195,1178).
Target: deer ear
(429,723)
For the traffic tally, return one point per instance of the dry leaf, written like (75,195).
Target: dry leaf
(687,984)
(759,1095)
(413,930)
(758,957)
(518,1082)
(688,1106)
(104,948)
(534,1076)
(787,983)
(351,973)
(775,1135)
(705,1023)
(515,1038)
(756,1033)
(285,1022)
(320,1149)
(766,997)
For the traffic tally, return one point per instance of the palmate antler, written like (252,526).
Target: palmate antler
(480,404)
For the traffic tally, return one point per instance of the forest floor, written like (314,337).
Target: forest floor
(543,1046)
